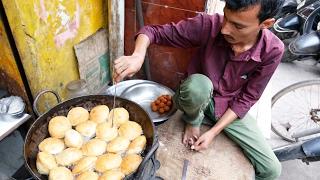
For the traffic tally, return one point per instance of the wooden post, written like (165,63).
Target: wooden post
(116,29)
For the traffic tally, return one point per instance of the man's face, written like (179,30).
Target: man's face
(241,26)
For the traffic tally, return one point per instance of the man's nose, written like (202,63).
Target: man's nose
(225,28)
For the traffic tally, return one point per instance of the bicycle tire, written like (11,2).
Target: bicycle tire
(282,93)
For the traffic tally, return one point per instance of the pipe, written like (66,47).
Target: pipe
(146,63)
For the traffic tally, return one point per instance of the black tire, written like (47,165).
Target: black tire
(284,92)
(287,55)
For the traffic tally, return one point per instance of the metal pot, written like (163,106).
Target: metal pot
(39,131)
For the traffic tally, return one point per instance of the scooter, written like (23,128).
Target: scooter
(299,29)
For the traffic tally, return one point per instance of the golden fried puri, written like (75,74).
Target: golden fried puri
(60,173)
(78,115)
(114,174)
(130,163)
(88,175)
(105,132)
(107,162)
(51,145)
(118,145)
(137,145)
(118,116)
(58,126)
(69,156)
(94,147)
(99,114)
(73,139)
(87,128)
(84,164)
(130,130)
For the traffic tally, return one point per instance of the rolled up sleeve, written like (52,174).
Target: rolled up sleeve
(255,86)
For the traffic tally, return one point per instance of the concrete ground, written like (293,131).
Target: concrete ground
(288,73)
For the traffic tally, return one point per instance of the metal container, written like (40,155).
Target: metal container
(77,88)
(11,108)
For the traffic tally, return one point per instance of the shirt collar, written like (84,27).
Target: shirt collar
(253,53)
(256,49)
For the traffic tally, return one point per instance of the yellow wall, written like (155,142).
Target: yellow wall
(45,32)
(10,78)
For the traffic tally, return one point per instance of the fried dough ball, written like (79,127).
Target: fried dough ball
(58,126)
(60,173)
(114,174)
(84,164)
(107,162)
(99,114)
(88,175)
(118,116)
(162,104)
(78,115)
(73,139)
(130,130)
(130,163)
(137,145)
(52,145)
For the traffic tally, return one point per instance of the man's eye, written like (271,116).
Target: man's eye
(239,27)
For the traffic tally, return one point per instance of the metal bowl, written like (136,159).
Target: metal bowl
(11,108)
(144,93)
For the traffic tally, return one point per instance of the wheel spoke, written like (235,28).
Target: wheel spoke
(293,106)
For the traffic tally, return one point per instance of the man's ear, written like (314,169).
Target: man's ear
(267,23)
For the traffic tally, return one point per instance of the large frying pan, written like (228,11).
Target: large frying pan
(39,130)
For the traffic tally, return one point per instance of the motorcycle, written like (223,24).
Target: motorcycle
(299,28)
(307,151)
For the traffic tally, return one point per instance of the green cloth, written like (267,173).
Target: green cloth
(194,98)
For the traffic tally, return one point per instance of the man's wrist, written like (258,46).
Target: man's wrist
(139,54)
(214,131)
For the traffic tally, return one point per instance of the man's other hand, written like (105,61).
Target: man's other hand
(204,141)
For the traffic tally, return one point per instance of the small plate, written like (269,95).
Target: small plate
(145,93)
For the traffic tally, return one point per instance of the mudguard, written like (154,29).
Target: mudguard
(307,44)
(288,23)
(312,148)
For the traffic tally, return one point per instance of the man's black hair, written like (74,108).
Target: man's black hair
(268,8)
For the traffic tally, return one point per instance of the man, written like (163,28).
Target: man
(236,58)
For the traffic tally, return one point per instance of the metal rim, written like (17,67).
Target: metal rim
(282,93)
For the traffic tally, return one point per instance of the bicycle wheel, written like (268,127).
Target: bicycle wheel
(296,111)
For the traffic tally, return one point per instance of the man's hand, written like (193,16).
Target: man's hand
(204,140)
(127,66)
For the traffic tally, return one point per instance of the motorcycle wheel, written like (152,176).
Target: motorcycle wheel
(287,55)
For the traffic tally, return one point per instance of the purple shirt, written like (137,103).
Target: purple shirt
(238,81)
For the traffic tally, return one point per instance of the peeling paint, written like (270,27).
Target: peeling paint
(42,13)
(72,28)
(63,15)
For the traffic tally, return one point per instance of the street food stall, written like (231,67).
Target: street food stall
(46,49)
